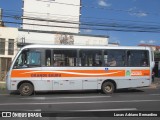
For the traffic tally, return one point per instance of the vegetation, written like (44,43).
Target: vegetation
(157,54)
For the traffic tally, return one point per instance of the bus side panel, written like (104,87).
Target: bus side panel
(131,83)
(135,77)
(32,75)
(67,84)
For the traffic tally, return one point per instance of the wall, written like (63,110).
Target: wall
(61,38)
(9,33)
(5,59)
(52,11)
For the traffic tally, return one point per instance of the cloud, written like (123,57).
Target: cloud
(138,13)
(87,31)
(151,41)
(147,41)
(103,3)
(142,41)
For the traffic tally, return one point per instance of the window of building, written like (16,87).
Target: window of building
(2,46)
(11,47)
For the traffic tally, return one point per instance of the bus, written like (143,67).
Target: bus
(66,67)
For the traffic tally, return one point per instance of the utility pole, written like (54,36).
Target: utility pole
(1,22)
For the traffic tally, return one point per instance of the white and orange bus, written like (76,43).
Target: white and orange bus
(65,67)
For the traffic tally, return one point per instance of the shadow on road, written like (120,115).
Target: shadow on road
(84,92)
(129,91)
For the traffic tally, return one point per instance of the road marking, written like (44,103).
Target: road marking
(3,94)
(120,109)
(36,110)
(92,102)
(154,94)
(44,98)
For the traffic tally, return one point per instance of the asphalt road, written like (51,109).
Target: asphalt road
(86,103)
(134,99)
(146,99)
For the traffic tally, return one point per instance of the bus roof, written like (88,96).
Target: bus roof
(86,47)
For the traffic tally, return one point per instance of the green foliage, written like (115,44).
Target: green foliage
(157,54)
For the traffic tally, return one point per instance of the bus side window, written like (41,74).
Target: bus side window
(137,58)
(114,58)
(65,57)
(145,58)
(90,58)
(48,58)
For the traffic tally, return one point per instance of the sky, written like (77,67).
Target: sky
(124,13)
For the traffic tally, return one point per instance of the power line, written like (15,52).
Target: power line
(94,24)
(70,16)
(93,28)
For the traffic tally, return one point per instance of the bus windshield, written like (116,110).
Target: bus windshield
(28,58)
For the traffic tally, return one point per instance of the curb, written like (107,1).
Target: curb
(2,82)
(153,86)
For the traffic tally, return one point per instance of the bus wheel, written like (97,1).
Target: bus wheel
(26,89)
(108,87)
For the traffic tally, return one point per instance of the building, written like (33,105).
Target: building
(8,48)
(153,47)
(113,44)
(54,22)
(59,38)
(52,15)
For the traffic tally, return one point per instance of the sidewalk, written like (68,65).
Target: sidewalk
(2,84)
(3,87)
(156,83)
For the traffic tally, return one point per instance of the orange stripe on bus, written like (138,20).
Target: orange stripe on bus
(140,72)
(67,73)
(77,73)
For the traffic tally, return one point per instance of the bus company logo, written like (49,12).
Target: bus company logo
(136,73)
(128,73)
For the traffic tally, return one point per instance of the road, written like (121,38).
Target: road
(146,99)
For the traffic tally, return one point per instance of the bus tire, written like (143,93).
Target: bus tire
(26,89)
(108,87)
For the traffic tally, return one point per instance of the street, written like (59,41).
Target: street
(123,100)
(142,99)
